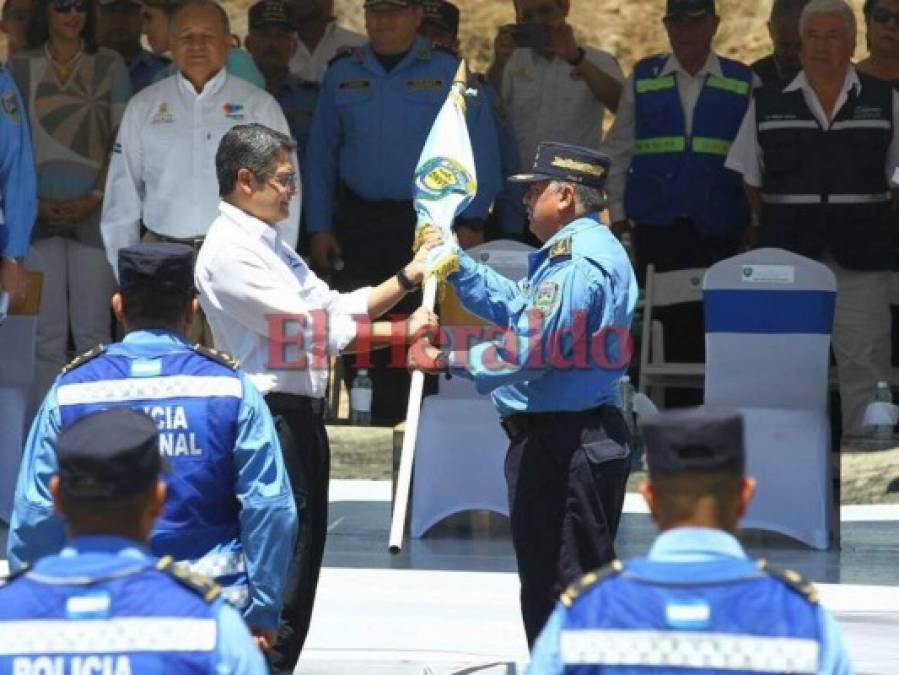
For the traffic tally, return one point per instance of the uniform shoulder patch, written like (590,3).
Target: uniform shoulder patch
(81,359)
(12,576)
(223,358)
(792,580)
(204,587)
(444,49)
(575,590)
(560,249)
(348,51)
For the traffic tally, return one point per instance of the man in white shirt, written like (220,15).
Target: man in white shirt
(320,37)
(162,172)
(552,88)
(818,158)
(268,309)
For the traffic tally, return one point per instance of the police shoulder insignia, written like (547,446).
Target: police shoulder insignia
(444,49)
(204,587)
(590,579)
(12,576)
(81,359)
(10,105)
(546,297)
(560,248)
(792,580)
(219,357)
(344,52)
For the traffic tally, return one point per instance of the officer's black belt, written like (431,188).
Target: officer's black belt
(278,401)
(194,242)
(521,423)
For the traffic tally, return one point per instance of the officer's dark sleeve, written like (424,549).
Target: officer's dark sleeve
(482,131)
(321,160)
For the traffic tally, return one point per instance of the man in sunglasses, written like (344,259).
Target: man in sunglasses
(783,27)
(668,186)
(119,25)
(818,157)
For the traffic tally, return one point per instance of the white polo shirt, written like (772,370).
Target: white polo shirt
(311,66)
(548,100)
(162,171)
(247,277)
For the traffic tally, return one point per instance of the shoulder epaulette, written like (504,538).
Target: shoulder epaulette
(437,47)
(12,576)
(792,580)
(223,358)
(589,580)
(204,587)
(346,51)
(81,359)
(560,249)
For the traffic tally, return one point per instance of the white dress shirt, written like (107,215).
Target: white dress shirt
(162,170)
(246,274)
(548,100)
(619,144)
(311,66)
(745,156)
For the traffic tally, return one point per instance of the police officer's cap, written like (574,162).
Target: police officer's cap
(442,14)
(689,9)
(390,4)
(109,454)
(271,14)
(165,265)
(693,439)
(570,163)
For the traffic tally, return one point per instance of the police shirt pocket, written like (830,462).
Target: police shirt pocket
(602,450)
(355,109)
(422,103)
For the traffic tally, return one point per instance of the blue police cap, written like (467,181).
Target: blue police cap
(271,13)
(693,439)
(164,265)
(442,14)
(109,454)
(570,163)
(689,9)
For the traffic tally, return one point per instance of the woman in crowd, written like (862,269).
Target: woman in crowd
(882,21)
(75,94)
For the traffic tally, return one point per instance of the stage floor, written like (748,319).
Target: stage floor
(448,604)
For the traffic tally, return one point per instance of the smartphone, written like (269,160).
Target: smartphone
(534,36)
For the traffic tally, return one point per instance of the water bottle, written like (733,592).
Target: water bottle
(360,399)
(883,394)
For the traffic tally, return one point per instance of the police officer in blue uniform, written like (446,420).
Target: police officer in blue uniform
(376,108)
(696,603)
(272,42)
(555,376)
(18,188)
(104,604)
(230,513)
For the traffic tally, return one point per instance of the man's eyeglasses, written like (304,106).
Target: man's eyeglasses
(883,15)
(66,6)
(288,181)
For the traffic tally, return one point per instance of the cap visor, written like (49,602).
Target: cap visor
(528,177)
(692,14)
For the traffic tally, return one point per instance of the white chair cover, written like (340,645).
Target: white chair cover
(461,448)
(769,315)
(17,340)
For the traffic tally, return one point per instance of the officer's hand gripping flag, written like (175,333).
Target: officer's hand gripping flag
(445,183)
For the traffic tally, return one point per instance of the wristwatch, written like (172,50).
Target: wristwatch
(407,284)
(576,61)
(441,361)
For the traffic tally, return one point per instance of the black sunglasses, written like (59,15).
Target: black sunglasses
(882,15)
(65,6)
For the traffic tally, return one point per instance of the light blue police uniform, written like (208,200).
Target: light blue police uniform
(18,185)
(576,304)
(370,126)
(695,592)
(297,99)
(103,605)
(230,512)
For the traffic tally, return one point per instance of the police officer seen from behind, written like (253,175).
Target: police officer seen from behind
(555,376)
(104,603)
(376,107)
(783,27)
(818,157)
(271,42)
(696,603)
(678,115)
(229,512)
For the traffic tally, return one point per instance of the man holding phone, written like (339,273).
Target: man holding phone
(552,88)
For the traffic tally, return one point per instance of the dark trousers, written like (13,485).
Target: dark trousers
(679,247)
(307,456)
(567,478)
(376,240)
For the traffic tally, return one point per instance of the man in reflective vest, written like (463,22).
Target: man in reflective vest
(103,604)
(696,603)
(230,512)
(817,156)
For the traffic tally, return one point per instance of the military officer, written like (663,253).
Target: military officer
(104,604)
(375,110)
(230,512)
(568,458)
(696,603)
